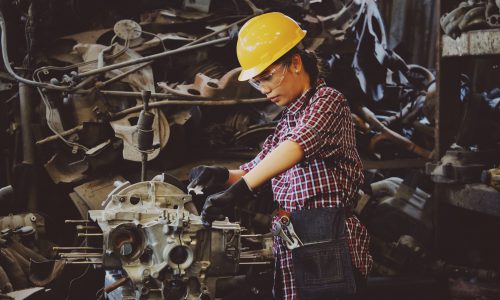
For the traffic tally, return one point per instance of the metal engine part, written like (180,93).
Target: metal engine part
(461,166)
(156,249)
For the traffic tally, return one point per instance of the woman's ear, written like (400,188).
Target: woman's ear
(296,66)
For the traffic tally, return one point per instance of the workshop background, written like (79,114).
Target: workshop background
(98,98)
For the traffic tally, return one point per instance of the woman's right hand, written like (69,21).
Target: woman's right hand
(202,178)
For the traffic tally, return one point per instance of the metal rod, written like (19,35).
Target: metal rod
(124,74)
(189,102)
(76,221)
(256,263)
(218,31)
(116,284)
(86,227)
(144,159)
(151,57)
(75,248)
(89,234)
(70,262)
(64,133)
(26,109)
(80,254)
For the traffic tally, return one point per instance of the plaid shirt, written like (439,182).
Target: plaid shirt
(329,175)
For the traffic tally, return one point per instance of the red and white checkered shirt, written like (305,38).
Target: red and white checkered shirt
(329,175)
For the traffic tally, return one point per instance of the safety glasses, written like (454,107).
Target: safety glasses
(270,79)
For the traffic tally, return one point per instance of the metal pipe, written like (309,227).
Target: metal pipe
(388,134)
(123,75)
(64,133)
(86,227)
(189,102)
(26,110)
(151,57)
(5,57)
(76,221)
(70,262)
(225,102)
(75,248)
(80,254)
(109,288)
(89,234)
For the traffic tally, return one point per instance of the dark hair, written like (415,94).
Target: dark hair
(310,60)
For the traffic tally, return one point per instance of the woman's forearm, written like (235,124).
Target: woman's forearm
(234,175)
(285,156)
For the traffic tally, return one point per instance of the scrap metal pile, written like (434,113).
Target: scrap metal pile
(71,126)
(471,15)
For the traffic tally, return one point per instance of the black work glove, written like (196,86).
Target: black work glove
(204,178)
(217,203)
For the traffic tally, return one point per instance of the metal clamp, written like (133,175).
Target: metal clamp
(291,239)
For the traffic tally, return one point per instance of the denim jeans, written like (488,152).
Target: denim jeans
(323,267)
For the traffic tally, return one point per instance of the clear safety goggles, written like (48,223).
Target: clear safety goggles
(270,78)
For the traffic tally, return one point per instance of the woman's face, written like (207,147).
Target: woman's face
(282,83)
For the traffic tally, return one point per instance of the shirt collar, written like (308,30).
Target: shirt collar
(299,103)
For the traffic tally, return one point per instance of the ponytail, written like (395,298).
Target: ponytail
(312,63)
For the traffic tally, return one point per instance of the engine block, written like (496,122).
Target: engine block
(158,248)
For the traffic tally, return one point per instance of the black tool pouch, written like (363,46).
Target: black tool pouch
(322,267)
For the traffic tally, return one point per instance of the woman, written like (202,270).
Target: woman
(311,159)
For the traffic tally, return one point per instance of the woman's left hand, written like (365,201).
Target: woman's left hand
(215,204)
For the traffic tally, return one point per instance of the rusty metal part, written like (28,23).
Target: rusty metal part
(139,78)
(388,134)
(43,273)
(152,57)
(160,103)
(474,18)
(25,252)
(420,76)
(255,9)
(89,195)
(408,113)
(118,283)
(21,261)
(14,270)
(13,222)
(492,13)
(339,23)
(60,170)
(127,132)
(461,166)
(9,69)
(5,284)
(467,15)
(64,134)
(205,87)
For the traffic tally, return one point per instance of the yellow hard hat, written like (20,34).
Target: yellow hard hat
(264,39)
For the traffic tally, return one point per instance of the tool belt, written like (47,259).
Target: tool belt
(322,265)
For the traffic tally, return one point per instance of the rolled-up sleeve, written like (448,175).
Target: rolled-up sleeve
(323,119)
